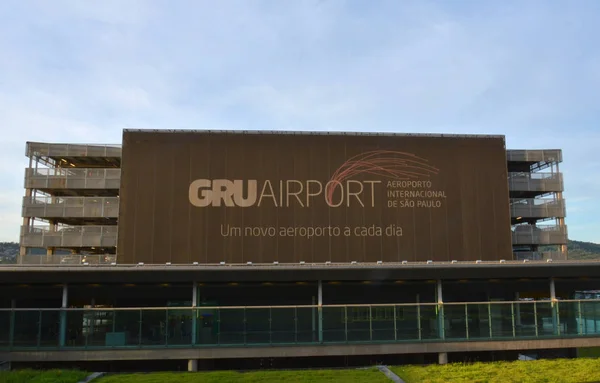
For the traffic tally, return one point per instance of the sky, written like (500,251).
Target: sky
(81,71)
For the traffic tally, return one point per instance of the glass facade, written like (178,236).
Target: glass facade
(212,326)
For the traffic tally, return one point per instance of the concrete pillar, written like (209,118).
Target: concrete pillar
(49,259)
(63,315)
(440,301)
(320,309)
(24,230)
(11,335)
(92,305)
(561,221)
(443,358)
(517,310)
(26,221)
(554,305)
(192,365)
(194,315)
(419,323)
(22,249)
(313,320)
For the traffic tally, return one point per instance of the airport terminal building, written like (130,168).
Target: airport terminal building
(211,245)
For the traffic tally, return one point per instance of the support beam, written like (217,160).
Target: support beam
(193,365)
(440,302)
(320,309)
(63,315)
(320,293)
(554,306)
(11,331)
(194,294)
(194,317)
(443,358)
(561,220)
(50,250)
(313,318)
(517,310)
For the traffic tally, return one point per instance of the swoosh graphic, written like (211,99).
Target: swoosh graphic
(383,163)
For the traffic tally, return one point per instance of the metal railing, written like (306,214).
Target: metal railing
(102,328)
(67,259)
(42,206)
(548,155)
(539,235)
(69,236)
(72,178)
(544,182)
(537,207)
(539,255)
(42,149)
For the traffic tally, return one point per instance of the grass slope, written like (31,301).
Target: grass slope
(49,376)
(303,376)
(547,371)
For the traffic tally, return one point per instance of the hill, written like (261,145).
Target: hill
(583,250)
(577,251)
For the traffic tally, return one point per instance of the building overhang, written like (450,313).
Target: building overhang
(307,272)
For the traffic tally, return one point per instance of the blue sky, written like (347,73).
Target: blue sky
(81,71)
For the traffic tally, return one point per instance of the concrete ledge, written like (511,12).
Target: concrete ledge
(293,351)
(19,274)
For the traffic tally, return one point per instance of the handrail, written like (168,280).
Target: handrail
(432,304)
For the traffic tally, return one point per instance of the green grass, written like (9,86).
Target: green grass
(580,370)
(48,376)
(304,376)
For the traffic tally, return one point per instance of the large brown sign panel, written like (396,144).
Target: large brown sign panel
(209,197)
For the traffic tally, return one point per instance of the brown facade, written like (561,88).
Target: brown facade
(209,197)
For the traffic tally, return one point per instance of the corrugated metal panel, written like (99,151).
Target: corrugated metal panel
(403,197)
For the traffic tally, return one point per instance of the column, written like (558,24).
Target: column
(320,310)
(11,334)
(561,221)
(194,316)
(26,223)
(518,310)
(443,358)
(192,365)
(554,306)
(63,315)
(313,314)
(50,250)
(440,302)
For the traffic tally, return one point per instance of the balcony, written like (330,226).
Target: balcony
(41,149)
(539,235)
(72,178)
(535,182)
(552,155)
(537,208)
(69,236)
(71,207)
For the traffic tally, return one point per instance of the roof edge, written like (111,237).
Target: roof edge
(316,133)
